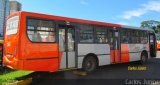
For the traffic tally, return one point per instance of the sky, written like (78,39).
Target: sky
(125,12)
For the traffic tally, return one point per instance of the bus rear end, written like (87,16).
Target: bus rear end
(11,39)
(23,50)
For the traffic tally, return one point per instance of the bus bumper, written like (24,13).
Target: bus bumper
(13,64)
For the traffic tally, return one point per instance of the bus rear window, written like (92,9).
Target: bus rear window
(12,25)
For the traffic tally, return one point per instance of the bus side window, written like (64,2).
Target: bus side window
(39,30)
(61,43)
(70,42)
(144,37)
(51,37)
(30,33)
(151,39)
(62,40)
(101,34)
(86,33)
(36,37)
(124,37)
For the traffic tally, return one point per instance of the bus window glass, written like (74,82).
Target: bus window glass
(129,38)
(101,35)
(33,22)
(61,44)
(125,38)
(31,27)
(86,33)
(71,39)
(41,30)
(100,39)
(111,36)
(144,37)
(86,38)
(30,33)
(62,40)
(133,36)
(141,36)
(151,39)
(136,37)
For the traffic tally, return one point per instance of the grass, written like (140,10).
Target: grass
(12,76)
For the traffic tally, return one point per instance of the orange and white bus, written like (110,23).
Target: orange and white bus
(40,42)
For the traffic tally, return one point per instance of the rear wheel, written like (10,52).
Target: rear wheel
(144,58)
(89,64)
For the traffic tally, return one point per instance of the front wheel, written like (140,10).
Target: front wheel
(89,64)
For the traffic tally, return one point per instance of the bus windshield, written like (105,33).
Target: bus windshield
(12,25)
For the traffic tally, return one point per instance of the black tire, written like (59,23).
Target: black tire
(89,64)
(144,58)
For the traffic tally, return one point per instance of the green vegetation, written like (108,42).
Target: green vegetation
(155,25)
(12,76)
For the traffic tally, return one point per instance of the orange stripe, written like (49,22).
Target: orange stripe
(125,53)
(112,56)
(60,59)
(115,56)
(117,60)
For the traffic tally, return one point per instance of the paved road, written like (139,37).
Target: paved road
(117,74)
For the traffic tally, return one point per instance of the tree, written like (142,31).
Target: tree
(152,24)
(158,26)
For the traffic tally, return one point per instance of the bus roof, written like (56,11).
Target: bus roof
(138,28)
(77,20)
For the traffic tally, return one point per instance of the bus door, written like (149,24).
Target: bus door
(152,44)
(66,46)
(114,46)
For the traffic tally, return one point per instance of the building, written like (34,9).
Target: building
(4,12)
(15,6)
(7,7)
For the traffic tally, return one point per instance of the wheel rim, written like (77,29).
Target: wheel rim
(89,65)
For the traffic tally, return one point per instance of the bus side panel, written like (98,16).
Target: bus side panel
(117,58)
(41,65)
(22,33)
(112,56)
(102,51)
(135,51)
(125,56)
(37,56)
(41,57)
